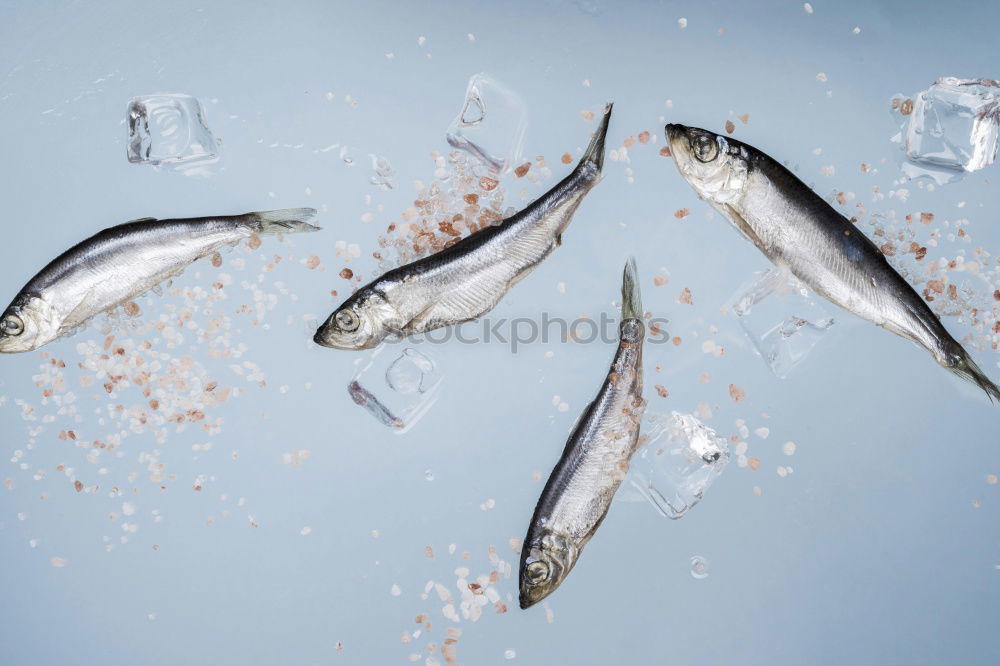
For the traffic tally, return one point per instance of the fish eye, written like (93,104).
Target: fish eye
(11,325)
(347,321)
(705,148)
(538,572)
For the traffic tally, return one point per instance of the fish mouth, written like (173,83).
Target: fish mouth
(323,341)
(332,342)
(676,136)
(674,130)
(526,599)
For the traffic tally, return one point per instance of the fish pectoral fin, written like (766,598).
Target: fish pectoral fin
(419,319)
(469,301)
(740,222)
(83,311)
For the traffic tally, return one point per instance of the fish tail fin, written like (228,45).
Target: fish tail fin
(595,151)
(962,365)
(631,298)
(284,221)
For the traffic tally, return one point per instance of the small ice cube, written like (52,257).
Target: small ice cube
(168,129)
(954,124)
(412,372)
(384,176)
(678,464)
(781,318)
(413,379)
(491,124)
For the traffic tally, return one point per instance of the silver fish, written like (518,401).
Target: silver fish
(466,280)
(593,464)
(121,263)
(795,228)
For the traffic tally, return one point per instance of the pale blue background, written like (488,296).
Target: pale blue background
(869,553)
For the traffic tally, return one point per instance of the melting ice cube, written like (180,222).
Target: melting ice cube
(397,392)
(412,372)
(954,124)
(491,124)
(384,176)
(680,461)
(782,319)
(950,128)
(168,129)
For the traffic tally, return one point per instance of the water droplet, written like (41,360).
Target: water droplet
(699,567)
(429,474)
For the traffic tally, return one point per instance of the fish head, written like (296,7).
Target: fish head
(357,324)
(545,563)
(27,325)
(715,166)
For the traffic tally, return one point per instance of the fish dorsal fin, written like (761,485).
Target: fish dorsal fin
(141,219)
(740,222)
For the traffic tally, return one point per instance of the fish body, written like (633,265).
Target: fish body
(594,462)
(796,229)
(121,263)
(466,280)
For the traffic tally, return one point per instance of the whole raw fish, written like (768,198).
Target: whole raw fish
(121,263)
(595,461)
(795,228)
(466,280)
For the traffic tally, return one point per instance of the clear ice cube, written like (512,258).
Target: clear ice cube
(398,390)
(782,319)
(168,129)
(491,124)
(679,462)
(385,176)
(954,124)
